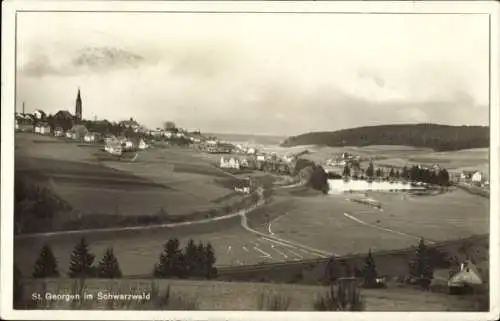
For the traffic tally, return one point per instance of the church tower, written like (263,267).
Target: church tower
(78,107)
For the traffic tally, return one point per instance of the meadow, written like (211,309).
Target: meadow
(158,180)
(216,295)
(320,221)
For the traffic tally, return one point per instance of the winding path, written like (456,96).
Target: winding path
(385,229)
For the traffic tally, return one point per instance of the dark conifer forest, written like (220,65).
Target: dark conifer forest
(437,137)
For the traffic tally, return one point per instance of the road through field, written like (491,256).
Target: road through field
(384,229)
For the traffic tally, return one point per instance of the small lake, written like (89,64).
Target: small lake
(339,186)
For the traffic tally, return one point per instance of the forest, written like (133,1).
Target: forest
(434,136)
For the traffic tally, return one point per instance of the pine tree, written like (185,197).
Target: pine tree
(391,173)
(45,264)
(108,267)
(210,271)
(171,262)
(405,173)
(191,258)
(200,260)
(370,170)
(81,261)
(421,266)
(369,272)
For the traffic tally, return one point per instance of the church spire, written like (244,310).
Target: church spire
(78,107)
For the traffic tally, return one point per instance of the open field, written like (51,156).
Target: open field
(214,295)
(138,251)
(319,221)
(167,179)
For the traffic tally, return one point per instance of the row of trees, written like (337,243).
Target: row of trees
(414,174)
(420,266)
(195,260)
(81,263)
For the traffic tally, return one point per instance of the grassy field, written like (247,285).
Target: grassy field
(319,221)
(138,251)
(213,295)
(172,180)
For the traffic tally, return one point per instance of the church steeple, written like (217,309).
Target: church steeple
(78,107)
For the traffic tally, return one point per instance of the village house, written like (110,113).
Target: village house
(113,147)
(131,124)
(42,129)
(24,123)
(90,137)
(229,163)
(477,178)
(58,132)
(39,114)
(467,277)
(243,187)
(142,144)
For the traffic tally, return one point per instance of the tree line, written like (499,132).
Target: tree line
(414,173)
(194,260)
(421,266)
(437,137)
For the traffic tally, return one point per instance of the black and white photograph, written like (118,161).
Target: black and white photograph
(279,157)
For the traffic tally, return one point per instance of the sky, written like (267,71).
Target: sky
(275,74)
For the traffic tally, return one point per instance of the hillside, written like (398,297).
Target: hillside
(437,137)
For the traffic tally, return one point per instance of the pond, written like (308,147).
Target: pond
(339,185)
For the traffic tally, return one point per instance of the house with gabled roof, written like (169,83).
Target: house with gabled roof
(467,276)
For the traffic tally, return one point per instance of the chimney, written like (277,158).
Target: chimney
(23,107)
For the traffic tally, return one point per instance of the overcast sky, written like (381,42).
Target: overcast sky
(257,73)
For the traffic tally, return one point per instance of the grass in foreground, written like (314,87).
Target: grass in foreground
(215,295)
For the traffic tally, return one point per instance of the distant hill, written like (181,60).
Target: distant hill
(437,137)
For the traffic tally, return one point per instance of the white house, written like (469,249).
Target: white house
(477,177)
(58,132)
(42,129)
(231,163)
(89,138)
(261,158)
(128,144)
(243,187)
(142,144)
(38,114)
(468,275)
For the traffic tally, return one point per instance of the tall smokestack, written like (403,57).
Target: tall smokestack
(23,107)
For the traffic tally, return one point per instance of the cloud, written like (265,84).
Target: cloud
(85,60)
(258,73)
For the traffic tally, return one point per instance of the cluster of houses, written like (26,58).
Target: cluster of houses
(474,177)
